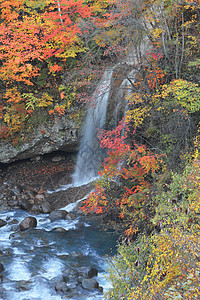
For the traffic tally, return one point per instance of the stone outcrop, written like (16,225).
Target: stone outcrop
(60,136)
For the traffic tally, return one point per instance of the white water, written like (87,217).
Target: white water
(39,255)
(89,156)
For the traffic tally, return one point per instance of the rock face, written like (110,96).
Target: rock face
(60,136)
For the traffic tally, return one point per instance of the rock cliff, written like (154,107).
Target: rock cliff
(60,136)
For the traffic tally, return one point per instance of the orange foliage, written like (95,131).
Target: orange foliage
(131,167)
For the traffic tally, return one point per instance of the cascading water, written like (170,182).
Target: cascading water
(36,259)
(122,95)
(89,156)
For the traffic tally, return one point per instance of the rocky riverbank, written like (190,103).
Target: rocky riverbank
(26,184)
(31,198)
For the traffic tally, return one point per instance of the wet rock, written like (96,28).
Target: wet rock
(17,189)
(100,288)
(13,201)
(7,218)
(27,223)
(91,272)
(61,287)
(70,216)
(46,207)
(1,268)
(15,227)
(2,223)
(79,279)
(66,277)
(59,229)
(23,285)
(76,254)
(57,279)
(90,283)
(39,197)
(57,215)
(7,252)
(25,202)
(72,285)
(36,158)
(70,273)
(57,158)
(13,235)
(36,209)
(14,221)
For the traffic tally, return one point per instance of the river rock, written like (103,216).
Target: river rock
(17,189)
(57,279)
(7,252)
(91,272)
(59,229)
(39,197)
(27,223)
(25,202)
(2,223)
(69,274)
(70,216)
(100,288)
(46,207)
(76,254)
(13,221)
(13,201)
(23,285)
(1,267)
(61,287)
(65,276)
(57,158)
(13,235)
(14,227)
(57,215)
(90,283)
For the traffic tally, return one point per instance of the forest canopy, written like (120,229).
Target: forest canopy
(52,54)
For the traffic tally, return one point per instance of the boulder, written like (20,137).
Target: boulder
(25,202)
(57,215)
(2,223)
(61,287)
(46,207)
(91,272)
(27,223)
(90,283)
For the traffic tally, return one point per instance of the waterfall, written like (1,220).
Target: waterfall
(90,156)
(124,91)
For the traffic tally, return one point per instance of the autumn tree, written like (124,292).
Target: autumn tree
(36,42)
